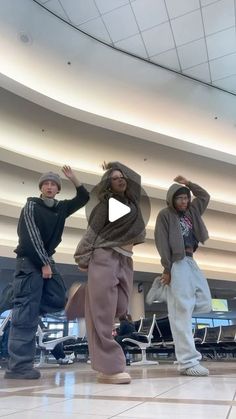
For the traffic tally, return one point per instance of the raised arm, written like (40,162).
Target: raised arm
(133,177)
(82,195)
(69,173)
(201,196)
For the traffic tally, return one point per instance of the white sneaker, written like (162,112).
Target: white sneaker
(196,371)
(156,292)
(65,361)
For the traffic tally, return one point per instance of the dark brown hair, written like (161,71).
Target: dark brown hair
(126,316)
(104,190)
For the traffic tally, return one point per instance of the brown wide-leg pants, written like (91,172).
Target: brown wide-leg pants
(110,281)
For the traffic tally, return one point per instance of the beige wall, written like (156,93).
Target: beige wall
(34,140)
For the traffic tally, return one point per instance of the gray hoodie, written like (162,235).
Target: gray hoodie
(129,229)
(168,237)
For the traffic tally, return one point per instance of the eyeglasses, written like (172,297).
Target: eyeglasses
(182,198)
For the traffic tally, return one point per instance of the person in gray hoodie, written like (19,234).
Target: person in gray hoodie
(178,231)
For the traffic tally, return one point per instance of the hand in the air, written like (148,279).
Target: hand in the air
(181,179)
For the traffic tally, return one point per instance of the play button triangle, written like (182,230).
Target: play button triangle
(116,209)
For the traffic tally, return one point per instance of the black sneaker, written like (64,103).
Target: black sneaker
(33,374)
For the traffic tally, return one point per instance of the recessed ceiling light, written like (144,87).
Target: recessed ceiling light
(25,38)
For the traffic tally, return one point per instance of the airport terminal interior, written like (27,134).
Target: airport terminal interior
(151,84)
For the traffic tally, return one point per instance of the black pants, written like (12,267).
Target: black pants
(33,296)
(58,351)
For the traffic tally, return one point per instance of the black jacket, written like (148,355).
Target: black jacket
(40,227)
(126,327)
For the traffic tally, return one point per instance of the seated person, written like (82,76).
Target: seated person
(58,351)
(126,329)
(61,357)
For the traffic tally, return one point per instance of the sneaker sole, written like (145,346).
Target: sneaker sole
(194,375)
(114,380)
(19,377)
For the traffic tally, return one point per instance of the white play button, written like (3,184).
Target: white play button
(116,209)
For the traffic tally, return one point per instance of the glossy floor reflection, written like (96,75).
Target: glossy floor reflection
(155,392)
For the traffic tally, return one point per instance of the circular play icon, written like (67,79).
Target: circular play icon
(117,211)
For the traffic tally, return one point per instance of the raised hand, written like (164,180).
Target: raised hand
(181,179)
(105,165)
(68,172)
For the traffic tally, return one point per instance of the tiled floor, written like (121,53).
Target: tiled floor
(155,392)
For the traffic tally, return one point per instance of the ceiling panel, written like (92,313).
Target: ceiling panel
(158,39)
(149,13)
(56,7)
(181,7)
(134,44)
(187,28)
(105,6)
(96,27)
(168,59)
(121,23)
(221,43)
(192,54)
(79,11)
(200,72)
(227,83)
(223,67)
(218,16)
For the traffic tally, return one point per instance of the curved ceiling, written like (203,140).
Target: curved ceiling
(192,37)
(110,89)
(66,98)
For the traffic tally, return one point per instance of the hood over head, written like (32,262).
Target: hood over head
(172,191)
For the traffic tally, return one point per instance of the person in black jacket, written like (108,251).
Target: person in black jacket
(126,330)
(38,287)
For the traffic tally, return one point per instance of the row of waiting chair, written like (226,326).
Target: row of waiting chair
(44,343)
(152,333)
(215,341)
(218,334)
(156,334)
